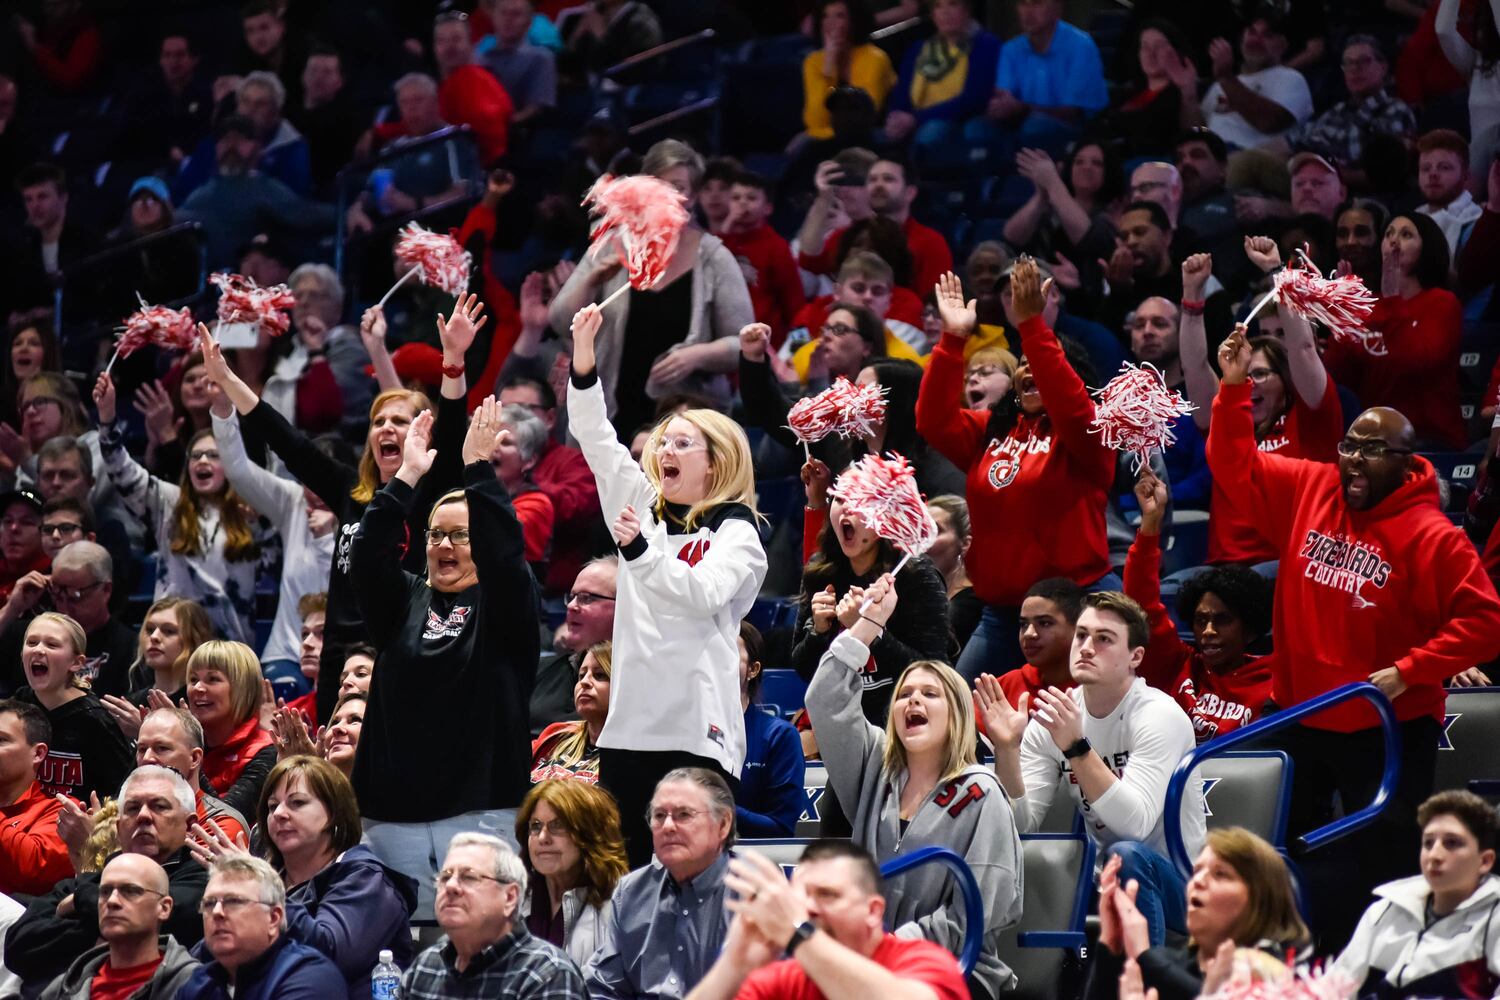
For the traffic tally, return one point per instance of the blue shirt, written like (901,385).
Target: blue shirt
(770,798)
(1069,74)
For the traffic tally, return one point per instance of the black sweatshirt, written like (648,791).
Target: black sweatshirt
(918,630)
(446,729)
(87,752)
(331,482)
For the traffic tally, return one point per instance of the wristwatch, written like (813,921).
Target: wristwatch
(804,930)
(1078,749)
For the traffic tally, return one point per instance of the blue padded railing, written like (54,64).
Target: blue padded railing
(1325,834)
(967,884)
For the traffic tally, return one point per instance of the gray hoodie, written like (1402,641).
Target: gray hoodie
(970,815)
(176,968)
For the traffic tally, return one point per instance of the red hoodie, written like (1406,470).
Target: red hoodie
(1217,703)
(770,274)
(1358,591)
(222,764)
(1302,432)
(33,857)
(1037,498)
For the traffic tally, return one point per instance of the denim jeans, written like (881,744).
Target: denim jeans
(1162,897)
(418,849)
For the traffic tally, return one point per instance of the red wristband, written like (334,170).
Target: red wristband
(453,371)
(1195,308)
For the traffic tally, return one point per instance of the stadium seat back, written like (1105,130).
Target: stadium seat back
(1468,751)
(1251,789)
(1057,881)
(814,786)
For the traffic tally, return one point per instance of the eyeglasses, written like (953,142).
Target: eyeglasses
(679,444)
(72,595)
(230,904)
(585,598)
(62,528)
(1261,374)
(458,536)
(838,330)
(983,371)
(554,828)
(1371,451)
(129,891)
(680,817)
(466,878)
(37,402)
(206,455)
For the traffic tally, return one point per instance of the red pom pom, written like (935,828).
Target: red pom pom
(241,300)
(439,260)
(845,409)
(1254,980)
(1341,304)
(644,216)
(170,329)
(883,493)
(1135,411)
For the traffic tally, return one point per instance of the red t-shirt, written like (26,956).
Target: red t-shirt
(918,960)
(1025,680)
(930,256)
(110,983)
(1302,432)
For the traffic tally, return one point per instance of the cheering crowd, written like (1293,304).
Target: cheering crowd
(373,643)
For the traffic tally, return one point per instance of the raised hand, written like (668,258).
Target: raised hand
(816,478)
(533,302)
(417,454)
(162,422)
(457,332)
(1028,293)
(104,399)
(1234,356)
(126,715)
(209,843)
(1182,72)
(1004,725)
(484,430)
(28,590)
(1120,268)
(372,330)
(827,176)
(1221,54)
(213,357)
(1196,271)
(586,324)
(289,730)
(755,342)
(958,317)
(627,526)
(1065,273)
(1152,495)
(1263,252)
(75,823)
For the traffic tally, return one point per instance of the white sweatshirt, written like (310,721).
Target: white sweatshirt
(1395,951)
(679,598)
(1142,741)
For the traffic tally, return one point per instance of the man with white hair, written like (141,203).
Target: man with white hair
(260,98)
(319,308)
(244,929)
(136,959)
(488,951)
(155,805)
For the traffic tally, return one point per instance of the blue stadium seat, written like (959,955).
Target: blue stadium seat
(1250,789)
(779,499)
(768,613)
(814,783)
(784,690)
(1058,881)
(1187,541)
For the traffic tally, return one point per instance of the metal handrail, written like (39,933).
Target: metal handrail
(1336,830)
(665,48)
(967,884)
(880,34)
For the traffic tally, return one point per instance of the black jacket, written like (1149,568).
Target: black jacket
(446,728)
(87,752)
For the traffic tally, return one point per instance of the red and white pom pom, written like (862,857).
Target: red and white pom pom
(1134,412)
(439,260)
(170,329)
(845,409)
(644,216)
(241,300)
(1323,985)
(883,492)
(1342,304)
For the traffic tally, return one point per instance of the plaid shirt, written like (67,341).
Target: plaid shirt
(1338,134)
(517,966)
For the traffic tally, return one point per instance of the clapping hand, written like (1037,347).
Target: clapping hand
(417,455)
(958,317)
(484,431)
(1003,724)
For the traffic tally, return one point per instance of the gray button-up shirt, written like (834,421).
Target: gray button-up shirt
(662,937)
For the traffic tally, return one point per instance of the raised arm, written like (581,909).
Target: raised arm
(1143,584)
(1066,397)
(143,494)
(1456,48)
(1192,339)
(1309,377)
(500,548)
(621,481)
(381,589)
(267,493)
(957,433)
(372,333)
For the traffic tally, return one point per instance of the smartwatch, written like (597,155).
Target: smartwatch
(1078,749)
(804,930)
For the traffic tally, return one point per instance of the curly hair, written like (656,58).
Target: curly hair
(1245,592)
(592,820)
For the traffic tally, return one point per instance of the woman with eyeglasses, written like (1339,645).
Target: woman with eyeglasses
(571,749)
(444,744)
(915,782)
(1420,323)
(569,834)
(48,405)
(691,565)
(1038,480)
(1293,401)
(340,899)
(87,752)
(347,490)
(205,534)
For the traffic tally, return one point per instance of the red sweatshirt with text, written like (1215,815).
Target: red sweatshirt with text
(1036,497)
(1358,591)
(1217,703)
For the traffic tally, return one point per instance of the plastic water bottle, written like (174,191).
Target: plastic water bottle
(385,981)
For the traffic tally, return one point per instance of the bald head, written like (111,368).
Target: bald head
(1391,426)
(1375,456)
(134,902)
(139,869)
